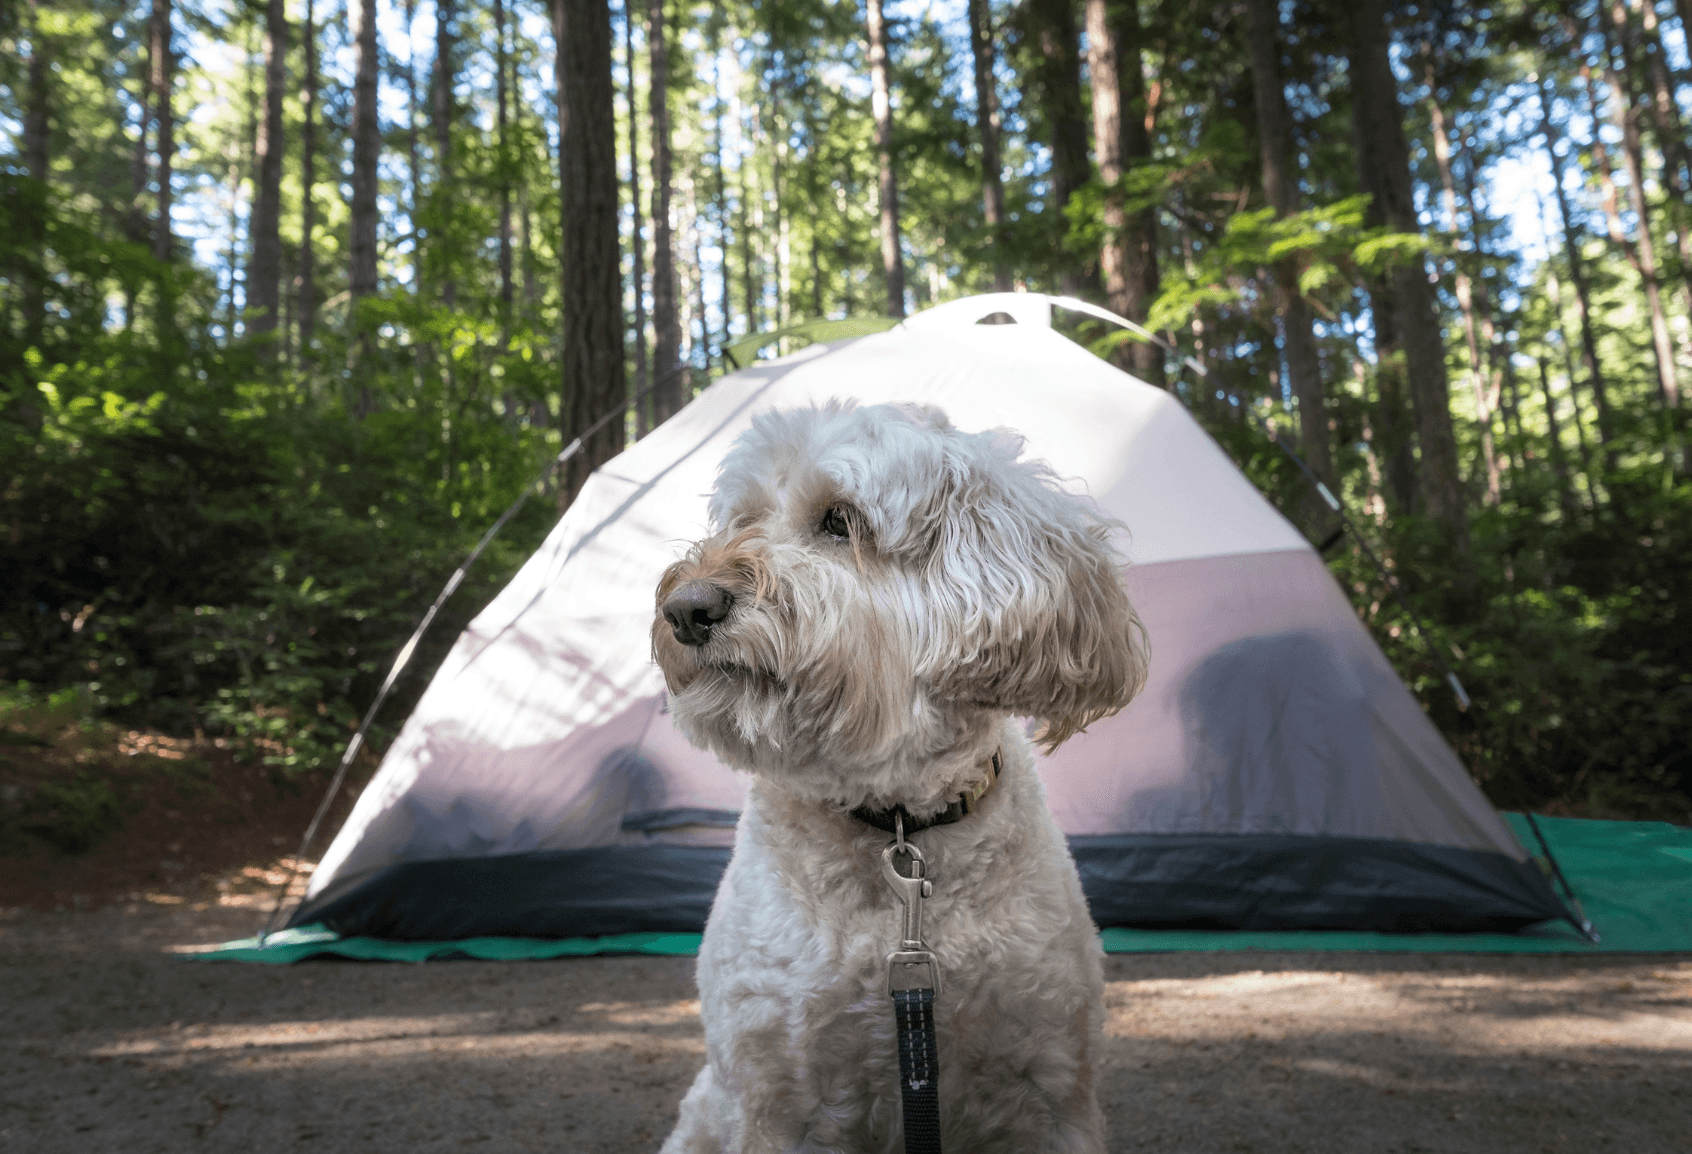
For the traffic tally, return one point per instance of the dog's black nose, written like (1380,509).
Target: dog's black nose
(694,609)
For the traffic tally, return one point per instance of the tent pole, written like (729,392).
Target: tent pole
(1578,916)
(403,658)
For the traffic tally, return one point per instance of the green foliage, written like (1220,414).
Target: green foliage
(216,549)
(206,533)
(74,815)
(1330,244)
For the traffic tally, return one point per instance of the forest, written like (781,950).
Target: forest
(297,296)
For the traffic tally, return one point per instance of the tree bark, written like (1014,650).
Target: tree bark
(500,101)
(1383,157)
(412,151)
(1145,360)
(37,120)
(135,224)
(163,62)
(892,259)
(441,114)
(1485,401)
(1577,272)
(669,395)
(306,308)
(750,280)
(987,124)
(37,136)
(1058,82)
(366,152)
(1669,129)
(1280,188)
(1640,248)
(637,242)
(594,382)
(264,260)
(1625,112)
(1104,73)
(1559,461)
(724,237)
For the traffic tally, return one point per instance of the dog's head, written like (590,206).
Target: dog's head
(880,586)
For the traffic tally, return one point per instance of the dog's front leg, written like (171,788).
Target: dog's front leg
(701,1128)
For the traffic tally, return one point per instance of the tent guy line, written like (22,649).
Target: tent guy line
(403,657)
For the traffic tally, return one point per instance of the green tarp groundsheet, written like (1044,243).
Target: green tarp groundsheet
(1634,880)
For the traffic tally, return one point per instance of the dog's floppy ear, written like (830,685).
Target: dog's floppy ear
(1044,625)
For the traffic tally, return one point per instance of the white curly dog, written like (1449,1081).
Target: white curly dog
(882,596)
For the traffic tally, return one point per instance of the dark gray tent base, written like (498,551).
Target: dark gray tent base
(1284,882)
(1245,882)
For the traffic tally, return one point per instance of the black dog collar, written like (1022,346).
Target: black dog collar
(962,806)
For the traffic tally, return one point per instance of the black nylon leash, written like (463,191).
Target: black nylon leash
(913,972)
(913,978)
(919,1070)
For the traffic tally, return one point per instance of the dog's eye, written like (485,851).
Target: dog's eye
(835,525)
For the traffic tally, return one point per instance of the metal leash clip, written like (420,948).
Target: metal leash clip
(912,966)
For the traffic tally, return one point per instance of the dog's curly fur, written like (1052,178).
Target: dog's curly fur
(896,592)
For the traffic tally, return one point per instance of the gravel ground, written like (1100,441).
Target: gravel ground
(110,1041)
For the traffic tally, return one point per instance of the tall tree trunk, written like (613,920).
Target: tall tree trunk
(1639,249)
(1280,188)
(1577,273)
(135,223)
(777,134)
(37,120)
(670,393)
(1501,369)
(1058,82)
(637,242)
(264,261)
(750,280)
(696,274)
(1104,72)
(1580,423)
(1624,116)
(500,101)
(1145,360)
(1484,400)
(163,61)
(525,222)
(987,124)
(441,115)
(366,153)
(37,136)
(306,308)
(724,238)
(1559,461)
(594,381)
(892,259)
(1383,157)
(232,314)
(1666,121)
(414,160)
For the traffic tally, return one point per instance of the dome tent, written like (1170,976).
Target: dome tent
(1274,774)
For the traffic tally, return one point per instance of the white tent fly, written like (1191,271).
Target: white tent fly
(1274,774)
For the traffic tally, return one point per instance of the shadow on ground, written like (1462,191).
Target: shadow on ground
(108,1042)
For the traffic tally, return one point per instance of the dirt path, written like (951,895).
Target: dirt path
(110,1042)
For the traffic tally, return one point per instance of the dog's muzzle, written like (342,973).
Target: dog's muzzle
(696,608)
